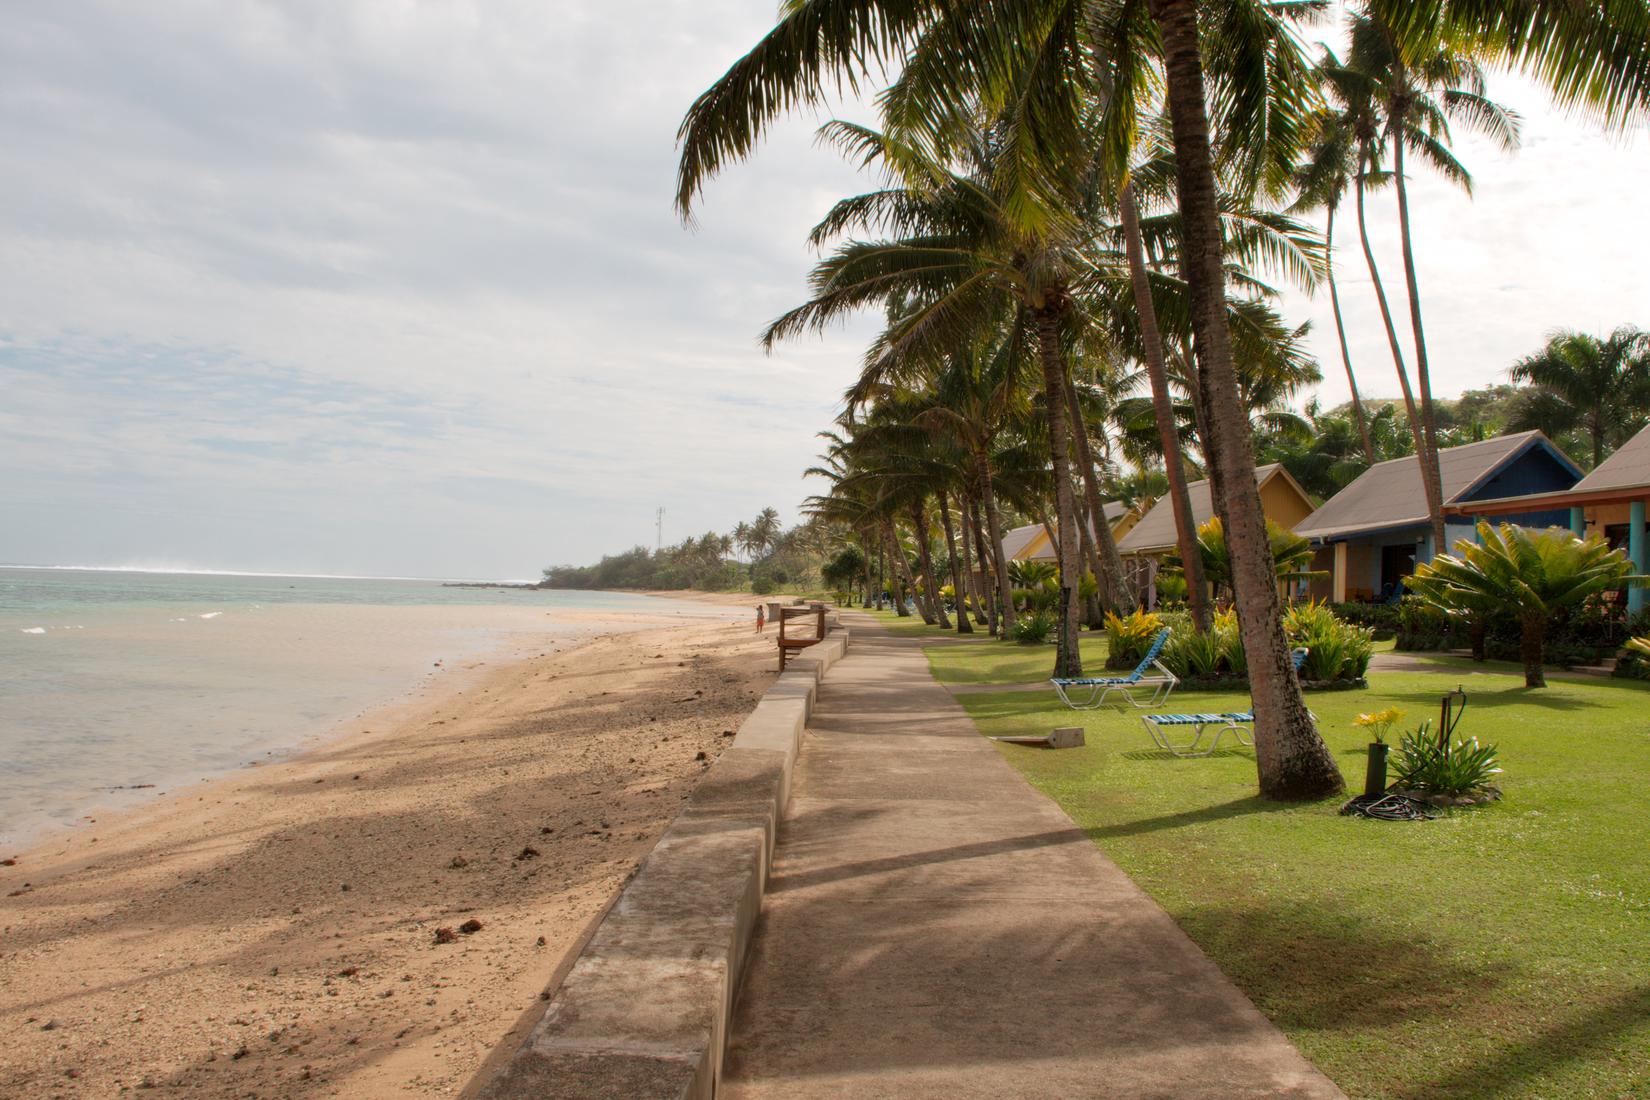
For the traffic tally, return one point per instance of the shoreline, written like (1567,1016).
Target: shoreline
(272,931)
(424,650)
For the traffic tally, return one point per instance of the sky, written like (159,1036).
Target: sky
(396,288)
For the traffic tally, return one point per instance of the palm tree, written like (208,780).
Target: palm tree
(1600,386)
(1531,574)
(1422,87)
(958,261)
(1332,161)
(1291,758)
(955,64)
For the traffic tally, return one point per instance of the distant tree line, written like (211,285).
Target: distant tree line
(761,556)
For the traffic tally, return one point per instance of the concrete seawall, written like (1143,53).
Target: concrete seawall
(644,1011)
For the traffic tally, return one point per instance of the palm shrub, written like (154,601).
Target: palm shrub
(1533,575)
(1030,574)
(1291,553)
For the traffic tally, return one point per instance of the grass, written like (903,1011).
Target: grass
(985,660)
(1495,952)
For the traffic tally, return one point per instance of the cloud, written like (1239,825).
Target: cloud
(415,265)
(383,287)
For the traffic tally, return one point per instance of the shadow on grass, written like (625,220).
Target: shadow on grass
(1240,807)
(1317,968)
(1595,1033)
(1510,697)
(1164,754)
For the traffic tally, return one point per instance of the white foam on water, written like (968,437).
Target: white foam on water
(212,614)
(32,630)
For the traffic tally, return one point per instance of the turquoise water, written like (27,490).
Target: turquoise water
(115,686)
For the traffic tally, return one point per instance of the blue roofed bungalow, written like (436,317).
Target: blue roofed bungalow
(1372,533)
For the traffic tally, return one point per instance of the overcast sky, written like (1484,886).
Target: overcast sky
(375,286)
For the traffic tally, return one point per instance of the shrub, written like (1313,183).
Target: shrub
(1128,637)
(1633,662)
(1431,764)
(763,585)
(1034,629)
(1336,650)
(1171,587)
(1194,653)
(1045,595)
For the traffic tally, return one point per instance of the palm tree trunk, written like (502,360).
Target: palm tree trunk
(1292,760)
(1069,660)
(1104,559)
(1430,486)
(1092,614)
(1003,602)
(1174,463)
(1423,380)
(919,524)
(959,585)
(1530,646)
(1340,331)
(999,557)
(905,589)
(966,538)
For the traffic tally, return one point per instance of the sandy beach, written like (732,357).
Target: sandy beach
(298,929)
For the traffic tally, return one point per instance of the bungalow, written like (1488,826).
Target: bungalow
(1610,502)
(1371,533)
(1154,536)
(1031,542)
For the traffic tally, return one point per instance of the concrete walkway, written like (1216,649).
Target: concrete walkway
(935,927)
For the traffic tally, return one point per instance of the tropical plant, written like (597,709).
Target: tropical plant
(1599,386)
(1432,764)
(1532,575)
(1128,637)
(1028,572)
(1379,723)
(1034,628)
(1291,554)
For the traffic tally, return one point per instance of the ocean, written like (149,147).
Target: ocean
(117,686)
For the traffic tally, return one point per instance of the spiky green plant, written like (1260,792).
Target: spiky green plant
(1531,574)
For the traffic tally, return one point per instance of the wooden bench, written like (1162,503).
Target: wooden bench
(790,642)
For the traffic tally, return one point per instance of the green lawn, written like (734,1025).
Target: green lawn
(1498,951)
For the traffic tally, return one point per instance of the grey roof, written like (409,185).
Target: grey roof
(1389,494)
(1156,529)
(1016,541)
(1628,468)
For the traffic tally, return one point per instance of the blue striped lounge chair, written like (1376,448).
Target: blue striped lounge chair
(1236,723)
(1090,692)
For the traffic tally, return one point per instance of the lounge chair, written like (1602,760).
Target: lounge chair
(1234,722)
(1099,687)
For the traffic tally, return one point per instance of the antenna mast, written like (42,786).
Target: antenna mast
(658,530)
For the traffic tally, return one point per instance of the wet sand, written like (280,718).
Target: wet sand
(279,933)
